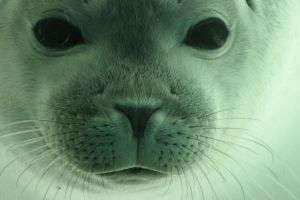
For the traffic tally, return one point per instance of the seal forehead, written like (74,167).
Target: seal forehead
(95,7)
(113,12)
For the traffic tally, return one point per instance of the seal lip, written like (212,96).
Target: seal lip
(133,175)
(133,171)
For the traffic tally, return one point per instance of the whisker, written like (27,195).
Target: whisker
(34,161)
(26,142)
(290,170)
(213,164)
(267,193)
(222,141)
(206,115)
(261,144)
(28,184)
(31,181)
(74,185)
(236,118)
(84,178)
(217,128)
(180,180)
(214,139)
(20,133)
(275,180)
(55,121)
(251,139)
(188,185)
(20,156)
(233,175)
(56,192)
(53,179)
(236,180)
(209,182)
(36,140)
(68,185)
(199,183)
(46,170)
(170,177)
(166,178)
(5,126)
(241,167)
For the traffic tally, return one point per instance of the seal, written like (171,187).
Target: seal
(110,94)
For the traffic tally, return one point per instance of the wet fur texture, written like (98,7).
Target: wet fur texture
(214,134)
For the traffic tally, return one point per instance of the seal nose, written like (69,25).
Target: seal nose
(138,116)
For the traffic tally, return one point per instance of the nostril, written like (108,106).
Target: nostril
(137,115)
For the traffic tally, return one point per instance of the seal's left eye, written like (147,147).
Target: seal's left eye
(57,33)
(209,34)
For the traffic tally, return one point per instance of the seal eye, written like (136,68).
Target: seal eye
(57,33)
(250,4)
(210,34)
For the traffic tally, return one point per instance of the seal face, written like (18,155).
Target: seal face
(130,88)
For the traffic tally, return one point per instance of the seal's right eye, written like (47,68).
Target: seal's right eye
(57,33)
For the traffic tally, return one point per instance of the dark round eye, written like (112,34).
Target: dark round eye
(210,34)
(57,33)
(250,3)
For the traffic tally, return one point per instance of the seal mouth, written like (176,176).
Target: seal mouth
(134,175)
(134,171)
